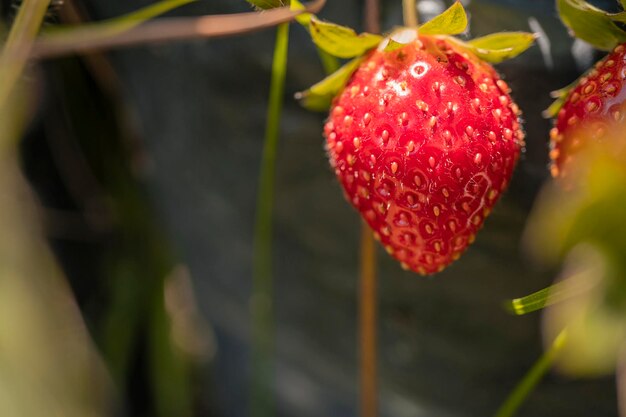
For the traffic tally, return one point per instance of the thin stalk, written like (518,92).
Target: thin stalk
(367,324)
(86,39)
(368,314)
(620,379)
(523,389)
(409,11)
(262,402)
(18,45)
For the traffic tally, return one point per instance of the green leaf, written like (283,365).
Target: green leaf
(268,4)
(553,294)
(451,22)
(560,95)
(591,24)
(128,21)
(319,96)
(341,41)
(498,47)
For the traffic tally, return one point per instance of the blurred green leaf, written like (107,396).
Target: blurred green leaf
(320,95)
(451,22)
(532,378)
(560,97)
(129,20)
(591,24)
(551,295)
(268,4)
(341,41)
(501,46)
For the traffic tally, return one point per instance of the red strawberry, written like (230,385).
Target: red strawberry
(594,103)
(424,139)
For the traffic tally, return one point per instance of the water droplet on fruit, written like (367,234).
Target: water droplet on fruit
(403,219)
(419,69)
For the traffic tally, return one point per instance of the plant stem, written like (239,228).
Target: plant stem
(18,45)
(409,11)
(519,394)
(367,281)
(262,403)
(93,37)
(368,320)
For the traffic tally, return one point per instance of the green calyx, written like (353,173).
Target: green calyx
(595,26)
(343,42)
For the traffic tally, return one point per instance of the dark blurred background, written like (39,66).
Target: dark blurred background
(146,161)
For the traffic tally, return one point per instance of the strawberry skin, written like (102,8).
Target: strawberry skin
(591,107)
(424,139)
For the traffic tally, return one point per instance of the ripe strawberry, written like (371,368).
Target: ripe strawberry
(589,108)
(423,140)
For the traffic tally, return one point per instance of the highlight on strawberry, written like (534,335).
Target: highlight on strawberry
(585,109)
(422,134)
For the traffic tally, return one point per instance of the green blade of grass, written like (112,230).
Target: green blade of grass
(262,403)
(125,22)
(532,378)
(18,45)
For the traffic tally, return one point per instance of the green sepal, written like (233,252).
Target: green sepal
(560,97)
(501,46)
(268,4)
(393,45)
(451,22)
(551,295)
(591,24)
(341,41)
(320,95)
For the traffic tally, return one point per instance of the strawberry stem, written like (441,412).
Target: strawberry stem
(409,12)
(262,401)
(532,378)
(367,323)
